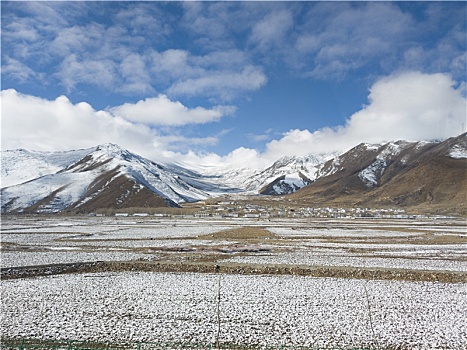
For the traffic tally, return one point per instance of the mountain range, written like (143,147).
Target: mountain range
(430,176)
(427,176)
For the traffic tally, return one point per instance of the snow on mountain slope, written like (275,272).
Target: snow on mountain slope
(57,191)
(397,155)
(20,165)
(225,176)
(401,173)
(97,171)
(142,171)
(341,162)
(458,152)
(108,176)
(458,149)
(288,174)
(284,174)
(212,184)
(386,153)
(371,174)
(286,184)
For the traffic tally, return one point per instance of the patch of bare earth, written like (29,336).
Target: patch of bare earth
(242,233)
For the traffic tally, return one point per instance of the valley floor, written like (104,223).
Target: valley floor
(328,283)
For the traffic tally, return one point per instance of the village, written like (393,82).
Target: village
(239,209)
(234,209)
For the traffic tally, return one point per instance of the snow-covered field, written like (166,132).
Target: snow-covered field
(330,258)
(389,244)
(280,310)
(254,309)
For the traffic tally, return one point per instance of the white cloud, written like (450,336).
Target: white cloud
(409,105)
(357,34)
(36,123)
(204,20)
(219,74)
(48,14)
(162,111)
(267,135)
(18,71)
(89,71)
(50,125)
(133,70)
(225,84)
(173,64)
(405,106)
(228,48)
(180,140)
(21,31)
(272,29)
(119,55)
(144,18)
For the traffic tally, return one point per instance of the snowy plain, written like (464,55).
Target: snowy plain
(267,310)
(254,309)
(34,241)
(332,259)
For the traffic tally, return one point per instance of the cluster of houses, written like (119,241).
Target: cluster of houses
(233,209)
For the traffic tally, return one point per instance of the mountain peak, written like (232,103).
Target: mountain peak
(110,149)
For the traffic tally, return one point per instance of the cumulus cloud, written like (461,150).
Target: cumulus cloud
(409,105)
(162,111)
(49,125)
(403,106)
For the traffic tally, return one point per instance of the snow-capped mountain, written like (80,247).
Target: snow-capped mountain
(105,176)
(395,173)
(108,176)
(285,176)
(289,174)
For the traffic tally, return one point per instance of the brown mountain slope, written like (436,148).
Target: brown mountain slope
(435,185)
(107,192)
(121,192)
(421,176)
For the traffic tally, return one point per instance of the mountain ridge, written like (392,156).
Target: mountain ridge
(108,176)
(429,175)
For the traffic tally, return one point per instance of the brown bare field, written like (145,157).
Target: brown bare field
(242,233)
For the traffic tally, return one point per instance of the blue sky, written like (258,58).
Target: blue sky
(242,83)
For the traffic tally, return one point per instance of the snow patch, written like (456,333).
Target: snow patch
(371,175)
(458,152)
